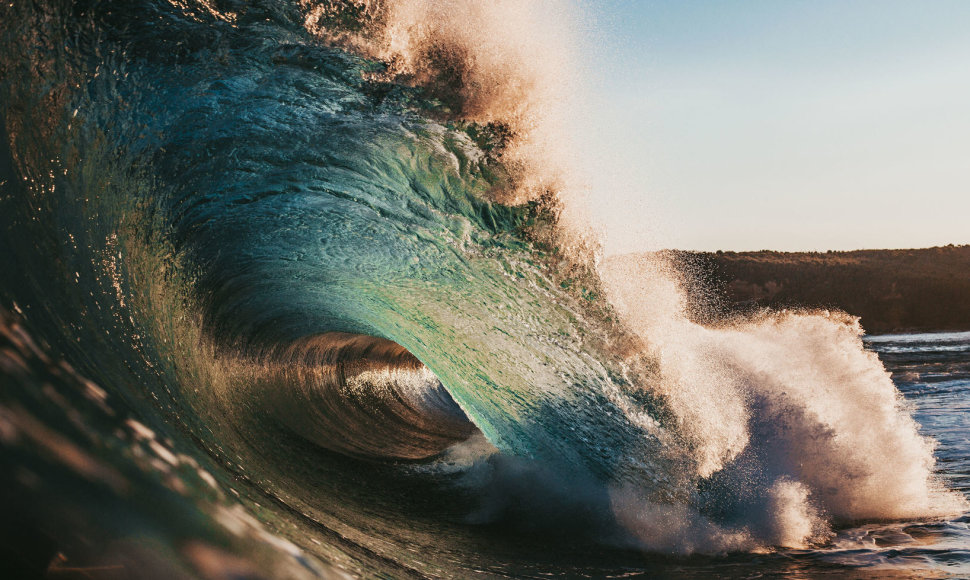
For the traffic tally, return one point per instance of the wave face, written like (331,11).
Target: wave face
(325,306)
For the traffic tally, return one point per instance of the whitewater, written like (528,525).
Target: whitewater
(310,289)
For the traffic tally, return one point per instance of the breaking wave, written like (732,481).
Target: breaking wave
(329,259)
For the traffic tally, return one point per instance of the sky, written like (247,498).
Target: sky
(786,125)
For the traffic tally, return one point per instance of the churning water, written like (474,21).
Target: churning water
(303,289)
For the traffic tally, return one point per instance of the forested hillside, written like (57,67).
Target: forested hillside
(891,290)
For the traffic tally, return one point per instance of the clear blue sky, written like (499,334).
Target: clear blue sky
(781,124)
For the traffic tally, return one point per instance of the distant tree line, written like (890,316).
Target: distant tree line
(891,290)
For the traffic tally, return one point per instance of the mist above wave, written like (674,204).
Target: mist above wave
(352,231)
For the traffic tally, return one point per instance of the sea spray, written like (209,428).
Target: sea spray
(791,420)
(286,260)
(511,68)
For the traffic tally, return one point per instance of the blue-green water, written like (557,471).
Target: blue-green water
(266,318)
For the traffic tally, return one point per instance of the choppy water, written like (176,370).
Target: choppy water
(295,289)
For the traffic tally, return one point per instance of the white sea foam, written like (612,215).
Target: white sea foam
(788,410)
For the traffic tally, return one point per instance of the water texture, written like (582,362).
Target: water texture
(304,289)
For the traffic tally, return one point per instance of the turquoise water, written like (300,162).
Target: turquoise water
(266,316)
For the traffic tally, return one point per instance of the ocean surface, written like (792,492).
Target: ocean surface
(303,290)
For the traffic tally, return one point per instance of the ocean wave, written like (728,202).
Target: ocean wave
(321,279)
